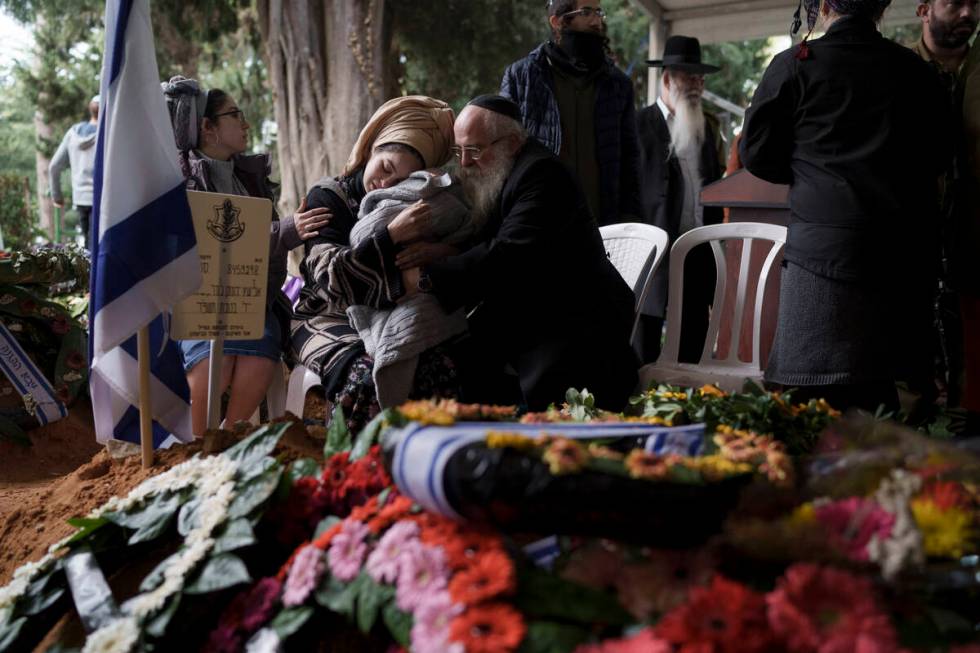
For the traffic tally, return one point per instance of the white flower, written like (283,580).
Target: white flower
(903,548)
(118,636)
(264,641)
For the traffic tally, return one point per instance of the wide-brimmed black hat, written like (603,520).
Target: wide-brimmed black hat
(683,53)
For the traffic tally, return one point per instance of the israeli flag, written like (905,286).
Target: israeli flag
(144,256)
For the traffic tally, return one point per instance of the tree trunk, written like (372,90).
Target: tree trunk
(43,132)
(330,66)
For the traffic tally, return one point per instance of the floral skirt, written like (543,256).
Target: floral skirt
(435,376)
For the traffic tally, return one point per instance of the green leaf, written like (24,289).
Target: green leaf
(546,596)
(370,598)
(290,620)
(189,516)
(85,527)
(303,467)
(370,434)
(150,520)
(157,626)
(43,592)
(235,535)
(608,466)
(337,596)
(399,624)
(221,571)
(550,637)
(254,492)
(153,579)
(338,436)
(258,445)
(325,524)
(9,634)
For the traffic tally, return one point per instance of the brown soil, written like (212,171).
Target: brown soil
(66,473)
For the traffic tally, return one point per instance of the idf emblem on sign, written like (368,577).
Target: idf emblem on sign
(225,226)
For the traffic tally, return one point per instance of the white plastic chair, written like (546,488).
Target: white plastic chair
(635,250)
(300,381)
(729,373)
(275,397)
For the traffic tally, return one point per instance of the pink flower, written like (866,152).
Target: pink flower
(347,550)
(853,522)
(826,610)
(643,642)
(421,572)
(430,632)
(382,564)
(303,576)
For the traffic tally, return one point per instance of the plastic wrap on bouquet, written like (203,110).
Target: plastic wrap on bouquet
(452,471)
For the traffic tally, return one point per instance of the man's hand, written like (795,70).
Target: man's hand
(419,254)
(308,223)
(410,280)
(414,223)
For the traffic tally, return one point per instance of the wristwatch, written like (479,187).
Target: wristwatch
(424,283)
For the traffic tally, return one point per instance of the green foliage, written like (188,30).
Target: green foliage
(457,49)
(742,64)
(581,405)
(550,637)
(338,436)
(628,29)
(17,221)
(219,572)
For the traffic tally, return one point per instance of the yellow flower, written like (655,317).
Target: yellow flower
(504,439)
(945,533)
(565,456)
(712,391)
(715,467)
(803,515)
(641,464)
(427,412)
(823,406)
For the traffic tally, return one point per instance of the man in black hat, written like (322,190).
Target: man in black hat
(680,152)
(547,301)
(576,102)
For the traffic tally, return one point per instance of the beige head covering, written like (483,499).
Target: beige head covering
(422,122)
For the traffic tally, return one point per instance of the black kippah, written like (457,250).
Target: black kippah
(497,104)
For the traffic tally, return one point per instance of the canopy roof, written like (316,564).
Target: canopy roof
(715,21)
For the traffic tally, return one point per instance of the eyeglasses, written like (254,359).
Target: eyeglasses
(237,112)
(586,12)
(474,151)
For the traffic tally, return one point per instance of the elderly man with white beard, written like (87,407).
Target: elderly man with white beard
(541,295)
(680,152)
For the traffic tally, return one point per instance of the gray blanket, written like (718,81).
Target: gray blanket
(396,337)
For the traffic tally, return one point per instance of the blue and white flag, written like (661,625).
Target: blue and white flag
(144,254)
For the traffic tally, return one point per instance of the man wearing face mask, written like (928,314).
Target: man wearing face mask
(576,102)
(680,152)
(947,27)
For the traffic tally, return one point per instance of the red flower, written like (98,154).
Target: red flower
(62,393)
(75,360)
(827,610)
(643,642)
(489,628)
(725,617)
(490,575)
(394,510)
(461,545)
(261,602)
(59,325)
(946,495)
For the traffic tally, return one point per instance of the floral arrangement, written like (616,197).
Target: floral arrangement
(437,585)
(213,500)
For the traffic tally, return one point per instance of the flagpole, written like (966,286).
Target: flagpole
(146,413)
(214,382)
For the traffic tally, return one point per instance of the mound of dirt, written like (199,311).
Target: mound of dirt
(66,473)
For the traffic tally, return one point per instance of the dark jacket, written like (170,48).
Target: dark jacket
(859,129)
(661,190)
(550,302)
(530,83)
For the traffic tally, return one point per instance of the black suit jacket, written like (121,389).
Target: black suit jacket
(662,187)
(549,301)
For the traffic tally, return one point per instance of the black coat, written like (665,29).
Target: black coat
(662,188)
(549,301)
(860,130)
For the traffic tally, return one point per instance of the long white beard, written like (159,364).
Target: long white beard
(482,189)
(687,134)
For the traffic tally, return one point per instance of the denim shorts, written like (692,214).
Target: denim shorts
(268,346)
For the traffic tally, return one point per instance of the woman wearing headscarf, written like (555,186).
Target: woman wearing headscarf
(404,135)
(857,126)
(212,136)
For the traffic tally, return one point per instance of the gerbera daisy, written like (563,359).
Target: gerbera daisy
(641,464)
(853,522)
(565,456)
(725,617)
(488,628)
(816,608)
(422,571)
(945,533)
(383,563)
(347,550)
(490,574)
